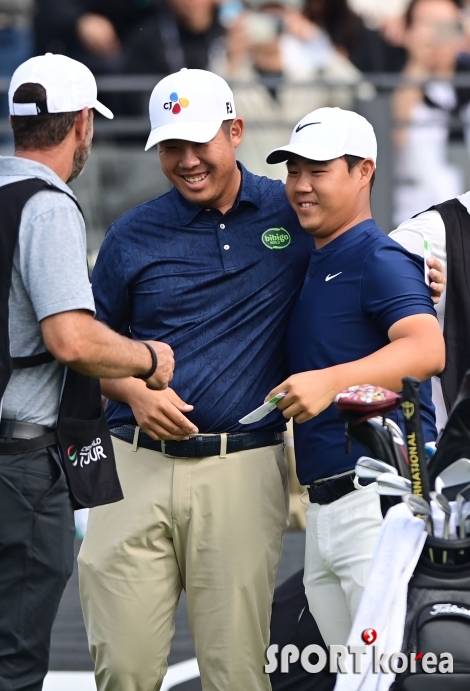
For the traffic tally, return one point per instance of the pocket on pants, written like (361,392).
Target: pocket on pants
(279,456)
(33,475)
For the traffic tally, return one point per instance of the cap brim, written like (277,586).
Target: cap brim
(199,132)
(103,110)
(313,153)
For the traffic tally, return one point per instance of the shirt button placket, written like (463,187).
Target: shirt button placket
(227,258)
(222,227)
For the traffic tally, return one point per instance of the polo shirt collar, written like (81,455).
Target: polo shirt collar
(248,192)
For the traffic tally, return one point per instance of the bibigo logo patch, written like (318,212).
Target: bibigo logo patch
(175,104)
(276,238)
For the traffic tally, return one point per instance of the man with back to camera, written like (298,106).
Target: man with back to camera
(51,307)
(351,324)
(213,266)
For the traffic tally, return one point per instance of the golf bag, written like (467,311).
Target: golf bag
(438,609)
(438,619)
(438,606)
(292,623)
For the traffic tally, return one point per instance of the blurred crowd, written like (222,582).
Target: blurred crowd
(278,44)
(290,37)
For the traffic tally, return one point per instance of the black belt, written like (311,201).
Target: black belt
(331,490)
(199,446)
(27,436)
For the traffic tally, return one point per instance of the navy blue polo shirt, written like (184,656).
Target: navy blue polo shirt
(356,288)
(218,288)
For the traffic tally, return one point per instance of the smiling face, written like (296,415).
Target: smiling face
(205,174)
(327,197)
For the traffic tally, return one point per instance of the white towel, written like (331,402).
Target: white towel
(383,603)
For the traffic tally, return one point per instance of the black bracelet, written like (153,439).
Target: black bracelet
(154,366)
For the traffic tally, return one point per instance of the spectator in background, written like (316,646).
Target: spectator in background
(435,42)
(132,36)
(274,40)
(92,31)
(182,33)
(367,48)
(15,40)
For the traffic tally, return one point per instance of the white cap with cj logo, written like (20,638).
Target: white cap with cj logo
(69,86)
(189,105)
(328,133)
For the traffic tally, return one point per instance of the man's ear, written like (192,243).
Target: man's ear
(236,131)
(366,170)
(81,125)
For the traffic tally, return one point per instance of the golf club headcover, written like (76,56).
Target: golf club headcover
(365,401)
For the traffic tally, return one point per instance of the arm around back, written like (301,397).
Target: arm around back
(76,339)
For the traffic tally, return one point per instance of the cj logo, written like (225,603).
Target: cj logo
(175,104)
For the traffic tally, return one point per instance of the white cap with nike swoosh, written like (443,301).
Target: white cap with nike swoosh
(329,133)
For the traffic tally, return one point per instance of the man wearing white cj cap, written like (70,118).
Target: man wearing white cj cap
(207,266)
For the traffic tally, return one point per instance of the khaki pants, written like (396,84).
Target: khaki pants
(297,493)
(212,526)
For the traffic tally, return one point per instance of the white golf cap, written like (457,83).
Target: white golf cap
(69,85)
(329,133)
(189,105)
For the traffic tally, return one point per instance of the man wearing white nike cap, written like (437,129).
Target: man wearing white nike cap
(46,323)
(364,316)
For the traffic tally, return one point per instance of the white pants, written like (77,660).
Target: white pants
(340,541)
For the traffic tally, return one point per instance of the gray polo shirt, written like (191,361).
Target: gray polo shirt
(49,276)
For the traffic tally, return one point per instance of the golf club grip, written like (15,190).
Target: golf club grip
(414,438)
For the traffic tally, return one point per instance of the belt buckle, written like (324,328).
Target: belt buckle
(163,445)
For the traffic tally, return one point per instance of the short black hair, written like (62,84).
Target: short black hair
(352,161)
(227,126)
(41,131)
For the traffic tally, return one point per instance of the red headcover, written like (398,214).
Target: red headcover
(368,400)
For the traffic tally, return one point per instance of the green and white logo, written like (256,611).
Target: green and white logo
(276,238)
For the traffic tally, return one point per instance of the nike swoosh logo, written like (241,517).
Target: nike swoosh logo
(300,127)
(328,278)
